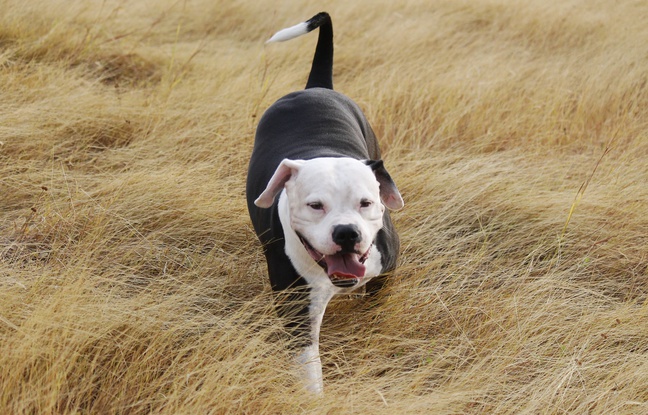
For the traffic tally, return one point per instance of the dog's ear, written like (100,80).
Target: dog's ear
(389,193)
(283,173)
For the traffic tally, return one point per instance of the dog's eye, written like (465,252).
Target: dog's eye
(316,205)
(364,203)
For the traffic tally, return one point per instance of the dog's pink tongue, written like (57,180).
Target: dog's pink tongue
(345,265)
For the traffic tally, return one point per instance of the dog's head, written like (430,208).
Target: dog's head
(336,208)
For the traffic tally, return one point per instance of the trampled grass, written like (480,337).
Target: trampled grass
(131,281)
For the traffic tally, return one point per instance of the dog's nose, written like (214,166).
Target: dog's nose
(346,236)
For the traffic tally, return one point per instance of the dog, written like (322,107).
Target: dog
(317,192)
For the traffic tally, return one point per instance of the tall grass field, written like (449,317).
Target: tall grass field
(131,281)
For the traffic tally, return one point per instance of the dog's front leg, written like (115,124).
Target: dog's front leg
(310,366)
(309,359)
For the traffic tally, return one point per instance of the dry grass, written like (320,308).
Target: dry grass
(131,281)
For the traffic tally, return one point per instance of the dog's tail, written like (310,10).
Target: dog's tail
(321,74)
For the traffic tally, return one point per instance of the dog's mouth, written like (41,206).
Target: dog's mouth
(344,269)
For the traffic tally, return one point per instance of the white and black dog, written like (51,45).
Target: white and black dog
(328,231)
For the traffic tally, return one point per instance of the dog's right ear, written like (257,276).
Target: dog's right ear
(286,169)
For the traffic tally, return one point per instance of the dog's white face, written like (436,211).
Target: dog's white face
(335,209)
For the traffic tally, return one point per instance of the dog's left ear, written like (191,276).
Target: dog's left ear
(283,173)
(389,193)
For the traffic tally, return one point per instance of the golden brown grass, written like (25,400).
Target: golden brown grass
(131,281)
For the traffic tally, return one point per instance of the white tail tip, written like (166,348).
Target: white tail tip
(289,33)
